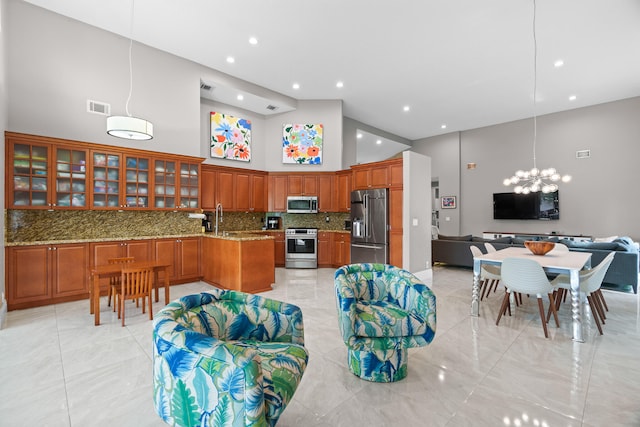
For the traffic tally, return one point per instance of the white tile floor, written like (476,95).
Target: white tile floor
(57,369)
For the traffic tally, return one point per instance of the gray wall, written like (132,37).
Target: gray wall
(601,200)
(444,151)
(350,139)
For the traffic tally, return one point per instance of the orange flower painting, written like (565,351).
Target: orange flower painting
(302,143)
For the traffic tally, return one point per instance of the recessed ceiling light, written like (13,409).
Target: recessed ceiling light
(296,86)
(359,135)
(573,98)
(240,97)
(559,63)
(378,141)
(230,59)
(253,40)
(406,108)
(443,127)
(339,84)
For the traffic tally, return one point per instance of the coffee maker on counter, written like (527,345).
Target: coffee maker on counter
(273,222)
(207,224)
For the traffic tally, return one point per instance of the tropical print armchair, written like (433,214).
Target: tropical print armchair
(382,311)
(226,358)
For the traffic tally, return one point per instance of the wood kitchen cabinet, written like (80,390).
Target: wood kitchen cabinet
(101,252)
(278,192)
(52,173)
(342,191)
(325,242)
(237,190)
(302,185)
(250,191)
(326,188)
(46,274)
(183,257)
(241,265)
(341,254)
(41,175)
(175,184)
(383,174)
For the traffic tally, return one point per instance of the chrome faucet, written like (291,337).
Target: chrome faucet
(218,209)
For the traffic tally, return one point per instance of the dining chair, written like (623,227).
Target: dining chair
(490,248)
(115,280)
(590,282)
(527,276)
(489,274)
(134,283)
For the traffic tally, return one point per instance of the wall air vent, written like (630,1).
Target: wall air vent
(97,107)
(583,154)
(205,86)
(272,107)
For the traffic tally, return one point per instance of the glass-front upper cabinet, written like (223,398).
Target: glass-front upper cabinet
(137,182)
(106,180)
(164,173)
(70,178)
(30,184)
(189,185)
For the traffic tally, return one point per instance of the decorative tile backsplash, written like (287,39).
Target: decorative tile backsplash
(43,225)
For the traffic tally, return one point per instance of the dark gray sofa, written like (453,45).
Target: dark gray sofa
(623,272)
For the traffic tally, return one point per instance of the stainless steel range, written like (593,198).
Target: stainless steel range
(301,248)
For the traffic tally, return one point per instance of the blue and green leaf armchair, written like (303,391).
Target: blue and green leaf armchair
(382,311)
(226,358)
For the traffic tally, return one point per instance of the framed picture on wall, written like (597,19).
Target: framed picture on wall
(448,202)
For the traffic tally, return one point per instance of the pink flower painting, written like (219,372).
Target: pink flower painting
(230,137)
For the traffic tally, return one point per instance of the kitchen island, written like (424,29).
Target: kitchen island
(239,261)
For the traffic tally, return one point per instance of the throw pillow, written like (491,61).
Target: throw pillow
(466,238)
(605,239)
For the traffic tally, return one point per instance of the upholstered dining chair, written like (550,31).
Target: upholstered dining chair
(528,277)
(382,312)
(134,283)
(114,282)
(226,358)
(489,274)
(590,282)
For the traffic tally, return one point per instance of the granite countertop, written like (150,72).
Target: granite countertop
(228,235)
(110,239)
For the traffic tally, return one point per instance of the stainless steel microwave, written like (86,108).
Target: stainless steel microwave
(302,204)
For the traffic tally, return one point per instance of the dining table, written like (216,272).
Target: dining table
(113,270)
(570,263)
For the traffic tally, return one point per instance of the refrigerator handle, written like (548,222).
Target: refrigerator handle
(365,200)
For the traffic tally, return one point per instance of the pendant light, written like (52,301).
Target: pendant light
(129,127)
(534,180)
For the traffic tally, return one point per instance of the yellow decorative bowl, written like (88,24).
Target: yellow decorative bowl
(539,248)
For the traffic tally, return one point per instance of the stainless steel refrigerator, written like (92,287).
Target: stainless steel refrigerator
(369,226)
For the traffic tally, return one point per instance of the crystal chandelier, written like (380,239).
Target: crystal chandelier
(535,180)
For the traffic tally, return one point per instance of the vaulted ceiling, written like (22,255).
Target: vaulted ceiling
(407,67)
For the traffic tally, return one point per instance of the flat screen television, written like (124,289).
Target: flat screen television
(544,206)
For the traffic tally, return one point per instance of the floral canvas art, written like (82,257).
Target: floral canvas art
(230,137)
(302,143)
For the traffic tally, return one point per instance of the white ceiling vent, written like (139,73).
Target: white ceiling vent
(97,107)
(583,154)
(272,107)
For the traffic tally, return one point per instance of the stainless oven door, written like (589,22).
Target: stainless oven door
(301,251)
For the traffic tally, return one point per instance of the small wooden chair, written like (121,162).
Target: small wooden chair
(134,283)
(115,280)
